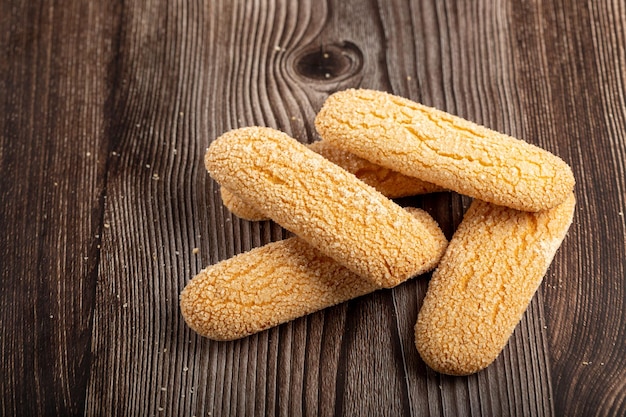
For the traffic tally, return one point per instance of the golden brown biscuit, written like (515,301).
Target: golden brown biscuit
(444,149)
(240,208)
(271,285)
(389,183)
(323,204)
(493,265)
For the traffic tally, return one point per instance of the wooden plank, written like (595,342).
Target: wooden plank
(53,156)
(458,57)
(585,291)
(105,117)
(145,361)
(272,72)
(161,206)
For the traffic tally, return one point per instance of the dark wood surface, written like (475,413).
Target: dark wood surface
(106,109)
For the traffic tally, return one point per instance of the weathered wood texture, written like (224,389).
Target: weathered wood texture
(106,111)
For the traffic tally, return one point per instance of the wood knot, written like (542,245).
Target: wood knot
(331,62)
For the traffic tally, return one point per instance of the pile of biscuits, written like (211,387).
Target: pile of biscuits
(352,239)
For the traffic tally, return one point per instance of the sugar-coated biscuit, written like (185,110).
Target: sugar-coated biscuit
(323,204)
(389,183)
(271,285)
(491,269)
(444,149)
(240,208)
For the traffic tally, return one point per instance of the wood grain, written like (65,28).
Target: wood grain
(589,89)
(53,165)
(106,111)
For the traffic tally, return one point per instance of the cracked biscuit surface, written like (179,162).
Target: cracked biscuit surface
(390,183)
(443,149)
(271,285)
(323,204)
(491,269)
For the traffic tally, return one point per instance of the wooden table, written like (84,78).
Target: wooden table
(106,109)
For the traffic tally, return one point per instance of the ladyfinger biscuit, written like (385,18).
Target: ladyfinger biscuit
(444,149)
(493,265)
(323,204)
(240,208)
(389,183)
(271,285)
